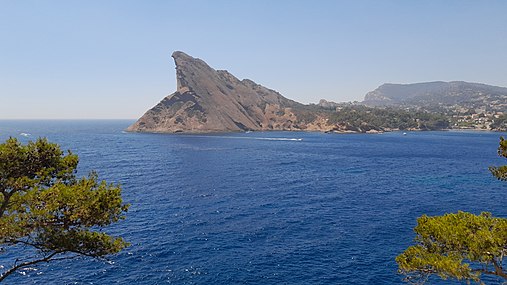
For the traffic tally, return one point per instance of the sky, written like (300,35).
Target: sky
(111,59)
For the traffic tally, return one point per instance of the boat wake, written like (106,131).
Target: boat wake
(279,139)
(253,138)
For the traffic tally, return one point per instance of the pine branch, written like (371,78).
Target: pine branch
(28,263)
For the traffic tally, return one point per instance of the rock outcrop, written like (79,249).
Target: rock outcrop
(208,100)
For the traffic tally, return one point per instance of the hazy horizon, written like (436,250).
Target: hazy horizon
(111,60)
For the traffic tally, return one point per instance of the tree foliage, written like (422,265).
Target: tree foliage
(47,213)
(500,123)
(500,172)
(462,246)
(389,118)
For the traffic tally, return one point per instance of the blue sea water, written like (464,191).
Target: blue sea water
(268,207)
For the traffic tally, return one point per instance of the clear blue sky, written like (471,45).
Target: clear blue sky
(111,59)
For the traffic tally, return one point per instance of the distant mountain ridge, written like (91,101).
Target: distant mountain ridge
(437,93)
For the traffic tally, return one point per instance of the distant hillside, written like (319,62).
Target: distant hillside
(433,94)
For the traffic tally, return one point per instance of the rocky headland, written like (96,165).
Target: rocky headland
(209,100)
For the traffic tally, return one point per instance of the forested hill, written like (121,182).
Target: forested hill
(453,94)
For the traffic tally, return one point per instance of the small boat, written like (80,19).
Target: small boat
(404,134)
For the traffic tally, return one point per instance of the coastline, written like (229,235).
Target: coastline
(344,132)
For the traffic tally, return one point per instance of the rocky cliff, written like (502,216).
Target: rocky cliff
(208,100)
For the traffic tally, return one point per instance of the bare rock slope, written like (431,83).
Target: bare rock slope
(208,100)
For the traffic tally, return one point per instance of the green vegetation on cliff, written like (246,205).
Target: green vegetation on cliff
(385,119)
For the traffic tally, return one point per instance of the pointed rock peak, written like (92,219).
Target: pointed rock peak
(180,55)
(188,71)
(182,59)
(209,100)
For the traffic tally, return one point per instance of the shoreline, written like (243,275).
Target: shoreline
(310,131)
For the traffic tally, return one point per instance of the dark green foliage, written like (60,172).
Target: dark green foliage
(500,172)
(500,123)
(389,118)
(45,208)
(305,117)
(461,246)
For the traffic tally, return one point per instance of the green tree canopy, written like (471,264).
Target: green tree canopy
(48,211)
(461,246)
(500,172)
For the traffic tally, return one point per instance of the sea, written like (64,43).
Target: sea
(267,207)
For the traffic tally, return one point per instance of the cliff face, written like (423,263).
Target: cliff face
(208,100)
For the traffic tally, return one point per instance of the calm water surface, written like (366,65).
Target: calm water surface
(266,207)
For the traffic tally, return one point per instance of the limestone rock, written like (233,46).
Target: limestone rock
(208,100)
